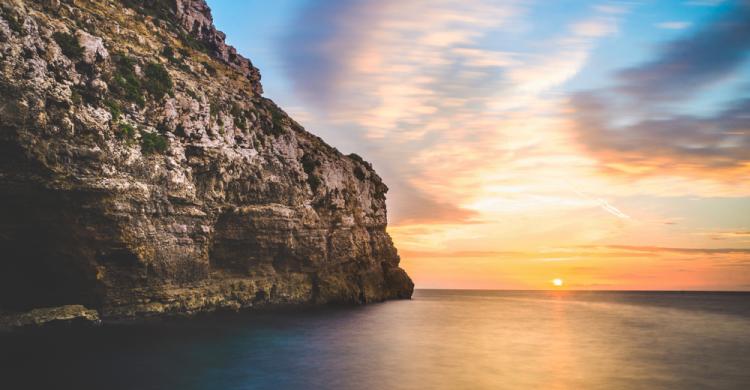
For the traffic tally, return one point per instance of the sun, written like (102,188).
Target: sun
(557,282)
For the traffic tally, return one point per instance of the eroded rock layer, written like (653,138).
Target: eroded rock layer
(142,173)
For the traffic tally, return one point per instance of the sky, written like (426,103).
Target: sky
(605,143)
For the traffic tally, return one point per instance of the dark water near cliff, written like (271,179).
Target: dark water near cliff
(439,340)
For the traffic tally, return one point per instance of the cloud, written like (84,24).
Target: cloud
(595,28)
(631,128)
(673,25)
(741,236)
(578,252)
(656,249)
(338,47)
(687,65)
(315,58)
(705,3)
(688,144)
(414,207)
(460,254)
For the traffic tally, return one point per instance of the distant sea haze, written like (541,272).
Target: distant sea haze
(442,339)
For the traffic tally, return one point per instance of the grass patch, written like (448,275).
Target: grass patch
(69,45)
(192,42)
(157,9)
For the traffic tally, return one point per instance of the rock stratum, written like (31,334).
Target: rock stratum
(143,173)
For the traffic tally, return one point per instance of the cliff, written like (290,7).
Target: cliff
(143,173)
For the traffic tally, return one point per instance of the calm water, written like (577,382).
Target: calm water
(439,340)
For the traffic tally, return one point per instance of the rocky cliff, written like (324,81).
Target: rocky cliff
(142,173)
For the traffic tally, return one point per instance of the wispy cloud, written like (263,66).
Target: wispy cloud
(705,3)
(656,249)
(632,129)
(686,65)
(717,146)
(420,82)
(673,25)
(581,251)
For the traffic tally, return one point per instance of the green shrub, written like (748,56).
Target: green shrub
(357,158)
(114,109)
(127,131)
(68,44)
(125,82)
(168,53)
(277,120)
(214,107)
(153,142)
(309,164)
(240,120)
(158,81)
(13,22)
(314,182)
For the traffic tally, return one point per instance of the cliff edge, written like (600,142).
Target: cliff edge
(142,173)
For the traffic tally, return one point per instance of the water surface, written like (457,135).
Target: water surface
(439,340)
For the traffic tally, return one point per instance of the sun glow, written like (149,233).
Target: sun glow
(557,282)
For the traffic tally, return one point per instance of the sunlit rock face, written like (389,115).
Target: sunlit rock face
(142,173)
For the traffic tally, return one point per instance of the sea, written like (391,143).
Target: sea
(440,339)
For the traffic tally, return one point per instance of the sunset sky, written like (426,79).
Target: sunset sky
(603,143)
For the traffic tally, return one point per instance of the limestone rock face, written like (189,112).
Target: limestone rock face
(142,173)
(41,317)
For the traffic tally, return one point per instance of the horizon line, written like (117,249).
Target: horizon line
(579,290)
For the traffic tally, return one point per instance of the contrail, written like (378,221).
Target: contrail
(612,209)
(606,206)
